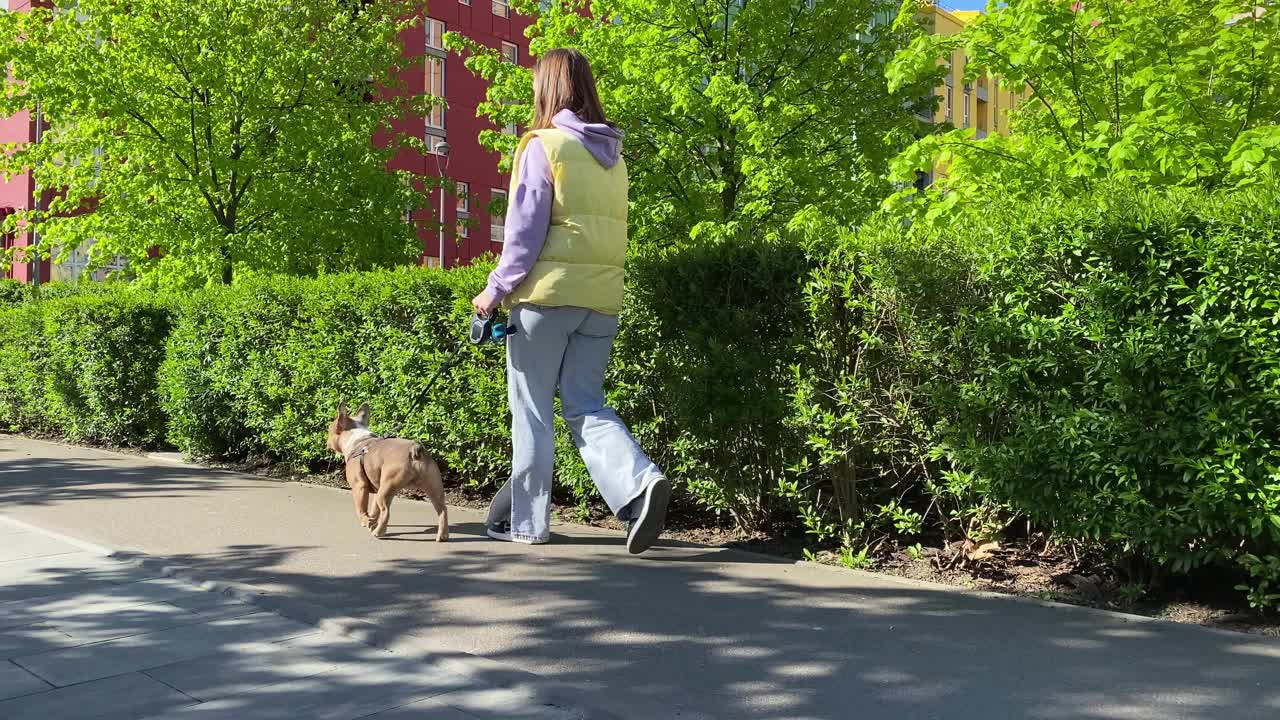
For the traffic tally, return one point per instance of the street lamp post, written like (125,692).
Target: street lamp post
(442,151)
(34,242)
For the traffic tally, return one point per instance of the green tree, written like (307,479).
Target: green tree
(231,137)
(741,114)
(1144,92)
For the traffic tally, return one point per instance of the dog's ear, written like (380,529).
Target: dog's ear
(342,410)
(362,415)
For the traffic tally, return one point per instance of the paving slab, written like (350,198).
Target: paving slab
(349,691)
(429,709)
(243,668)
(83,663)
(123,697)
(62,576)
(506,704)
(214,607)
(15,681)
(33,639)
(178,649)
(110,598)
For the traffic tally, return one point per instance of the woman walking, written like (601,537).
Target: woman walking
(561,276)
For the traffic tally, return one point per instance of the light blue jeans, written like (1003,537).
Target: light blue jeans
(565,347)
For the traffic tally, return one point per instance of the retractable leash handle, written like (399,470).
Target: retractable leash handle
(485,329)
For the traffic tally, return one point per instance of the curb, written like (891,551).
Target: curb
(168,457)
(475,669)
(1117,615)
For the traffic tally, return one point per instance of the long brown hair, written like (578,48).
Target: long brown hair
(562,80)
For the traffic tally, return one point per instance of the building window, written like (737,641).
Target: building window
(465,2)
(966,110)
(435,34)
(431,261)
(433,144)
(464,228)
(502,8)
(511,128)
(950,113)
(511,53)
(497,216)
(434,77)
(463,191)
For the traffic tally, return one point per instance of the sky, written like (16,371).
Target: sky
(963,4)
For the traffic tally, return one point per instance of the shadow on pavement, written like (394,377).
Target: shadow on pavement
(40,481)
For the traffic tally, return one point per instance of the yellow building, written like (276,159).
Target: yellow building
(983,104)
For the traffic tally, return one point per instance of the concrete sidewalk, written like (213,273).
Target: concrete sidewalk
(676,633)
(84,636)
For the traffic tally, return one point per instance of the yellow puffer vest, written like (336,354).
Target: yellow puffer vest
(581,264)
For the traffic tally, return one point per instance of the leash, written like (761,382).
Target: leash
(445,366)
(483,330)
(375,438)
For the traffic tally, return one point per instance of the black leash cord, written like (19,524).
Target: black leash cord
(483,329)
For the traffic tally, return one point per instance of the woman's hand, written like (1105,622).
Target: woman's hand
(485,303)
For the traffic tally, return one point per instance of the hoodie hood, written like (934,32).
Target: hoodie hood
(602,141)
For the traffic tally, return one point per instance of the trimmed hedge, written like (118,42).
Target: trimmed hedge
(1124,384)
(1109,370)
(701,371)
(259,368)
(22,370)
(84,366)
(12,292)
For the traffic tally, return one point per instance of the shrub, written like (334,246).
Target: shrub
(1124,376)
(12,292)
(84,366)
(103,354)
(1108,369)
(22,369)
(700,371)
(882,307)
(259,368)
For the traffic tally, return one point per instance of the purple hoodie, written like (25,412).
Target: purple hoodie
(529,207)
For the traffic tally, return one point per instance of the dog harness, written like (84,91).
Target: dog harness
(360,451)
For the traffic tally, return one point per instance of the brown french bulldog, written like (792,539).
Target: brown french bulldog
(383,467)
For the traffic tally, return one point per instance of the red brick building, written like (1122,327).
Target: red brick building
(491,23)
(469,231)
(18,193)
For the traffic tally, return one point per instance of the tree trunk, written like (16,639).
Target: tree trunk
(227,271)
(844,481)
